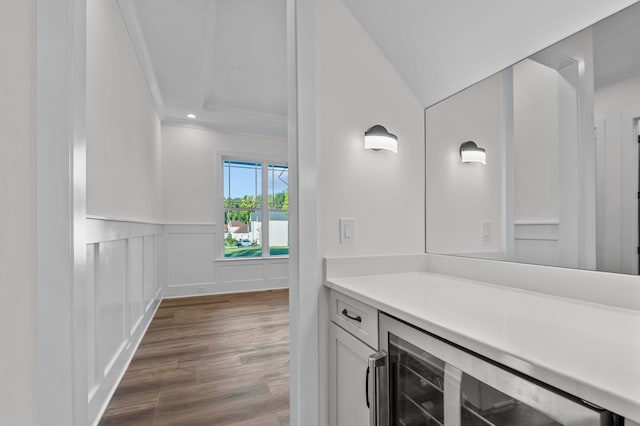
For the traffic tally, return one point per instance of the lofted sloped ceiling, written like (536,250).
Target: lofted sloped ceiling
(440,46)
(615,47)
(222,60)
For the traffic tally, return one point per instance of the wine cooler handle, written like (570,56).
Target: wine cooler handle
(376,360)
(366,387)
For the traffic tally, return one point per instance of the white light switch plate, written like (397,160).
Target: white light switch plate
(486,230)
(347,231)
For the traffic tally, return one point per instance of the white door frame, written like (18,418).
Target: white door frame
(307,380)
(59,129)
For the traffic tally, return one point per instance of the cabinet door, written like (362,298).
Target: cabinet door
(348,360)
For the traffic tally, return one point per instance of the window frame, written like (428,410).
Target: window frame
(265,162)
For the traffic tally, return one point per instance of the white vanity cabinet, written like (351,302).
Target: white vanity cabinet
(353,336)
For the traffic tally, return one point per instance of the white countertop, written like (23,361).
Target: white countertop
(587,349)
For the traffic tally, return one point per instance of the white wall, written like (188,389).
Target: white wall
(123,129)
(536,152)
(466,194)
(17,216)
(384,192)
(536,134)
(192,206)
(189,166)
(354,88)
(616,107)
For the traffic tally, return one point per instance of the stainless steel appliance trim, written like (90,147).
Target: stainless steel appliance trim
(452,399)
(376,361)
(554,405)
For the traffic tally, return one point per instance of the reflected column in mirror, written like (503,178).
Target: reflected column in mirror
(560,182)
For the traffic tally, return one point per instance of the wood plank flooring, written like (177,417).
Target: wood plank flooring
(210,360)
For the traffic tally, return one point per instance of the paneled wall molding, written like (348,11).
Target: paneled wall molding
(101,229)
(124,273)
(537,230)
(193,269)
(537,241)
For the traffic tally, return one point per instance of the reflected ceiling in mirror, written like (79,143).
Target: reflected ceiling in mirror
(560,133)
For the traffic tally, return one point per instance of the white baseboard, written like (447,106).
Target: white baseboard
(130,351)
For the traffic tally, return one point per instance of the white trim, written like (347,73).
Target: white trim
(209,49)
(227,130)
(233,291)
(249,259)
(116,219)
(129,14)
(134,345)
(190,224)
(60,146)
(103,230)
(536,231)
(307,308)
(227,288)
(536,222)
(248,114)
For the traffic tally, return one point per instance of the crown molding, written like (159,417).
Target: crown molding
(129,14)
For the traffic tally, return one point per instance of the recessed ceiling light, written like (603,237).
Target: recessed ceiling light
(191,116)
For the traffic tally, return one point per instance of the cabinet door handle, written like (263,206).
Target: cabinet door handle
(346,314)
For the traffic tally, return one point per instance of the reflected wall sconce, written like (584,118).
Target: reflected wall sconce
(377,138)
(471,153)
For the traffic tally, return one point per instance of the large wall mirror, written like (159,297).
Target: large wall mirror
(560,185)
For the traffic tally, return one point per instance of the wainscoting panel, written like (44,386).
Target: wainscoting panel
(135,280)
(192,267)
(190,255)
(93,381)
(122,294)
(277,270)
(110,304)
(150,287)
(239,271)
(536,242)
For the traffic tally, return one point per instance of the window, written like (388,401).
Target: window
(246,234)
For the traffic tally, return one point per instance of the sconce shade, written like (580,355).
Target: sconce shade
(377,138)
(471,153)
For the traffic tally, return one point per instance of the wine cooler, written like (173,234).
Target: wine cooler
(424,380)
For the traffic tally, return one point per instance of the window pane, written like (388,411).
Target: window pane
(278,233)
(242,233)
(278,187)
(242,184)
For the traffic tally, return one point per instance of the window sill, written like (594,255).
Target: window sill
(250,259)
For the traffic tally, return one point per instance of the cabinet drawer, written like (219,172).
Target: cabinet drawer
(357,318)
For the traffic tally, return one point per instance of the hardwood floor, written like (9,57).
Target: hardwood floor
(210,360)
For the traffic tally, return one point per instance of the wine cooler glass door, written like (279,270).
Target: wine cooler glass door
(432,382)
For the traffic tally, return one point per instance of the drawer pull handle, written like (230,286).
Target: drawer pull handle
(346,314)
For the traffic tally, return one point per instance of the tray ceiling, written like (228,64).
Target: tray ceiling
(222,60)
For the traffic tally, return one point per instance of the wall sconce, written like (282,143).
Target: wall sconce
(471,153)
(377,138)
